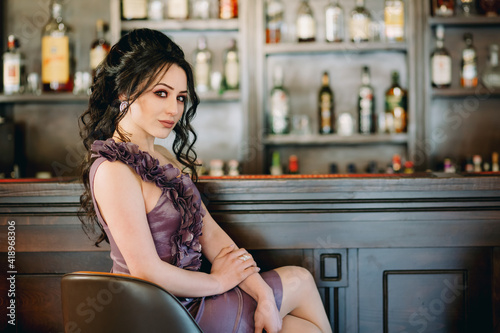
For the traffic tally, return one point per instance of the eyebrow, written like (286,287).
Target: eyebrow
(169,87)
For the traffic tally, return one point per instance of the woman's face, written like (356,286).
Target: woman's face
(160,107)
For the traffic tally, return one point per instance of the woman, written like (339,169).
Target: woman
(151,213)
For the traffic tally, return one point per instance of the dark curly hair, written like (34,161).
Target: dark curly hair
(133,64)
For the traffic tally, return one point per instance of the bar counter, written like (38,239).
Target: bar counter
(390,253)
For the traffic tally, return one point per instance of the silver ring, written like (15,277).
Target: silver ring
(244,257)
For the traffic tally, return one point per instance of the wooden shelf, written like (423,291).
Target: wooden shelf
(464,20)
(465,92)
(334,139)
(323,47)
(183,25)
(44,98)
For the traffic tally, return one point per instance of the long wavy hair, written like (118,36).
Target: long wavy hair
(137,61)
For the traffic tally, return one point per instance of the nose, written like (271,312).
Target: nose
(171,106)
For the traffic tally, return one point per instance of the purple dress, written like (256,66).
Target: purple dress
(176,225)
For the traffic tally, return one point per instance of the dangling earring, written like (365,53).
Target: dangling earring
(123,106)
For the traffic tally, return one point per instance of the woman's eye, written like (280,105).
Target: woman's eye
(161,93)
(182,99)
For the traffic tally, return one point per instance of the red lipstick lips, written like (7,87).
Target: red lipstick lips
(167,123)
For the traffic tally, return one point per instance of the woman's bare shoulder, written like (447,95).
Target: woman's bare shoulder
(111,174)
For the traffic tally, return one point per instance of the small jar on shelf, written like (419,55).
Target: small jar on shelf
(134,9)
(491,75)
(443,8)
(228,9)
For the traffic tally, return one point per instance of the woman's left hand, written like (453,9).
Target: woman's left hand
(267,316)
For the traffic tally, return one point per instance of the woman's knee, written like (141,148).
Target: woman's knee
(295,278)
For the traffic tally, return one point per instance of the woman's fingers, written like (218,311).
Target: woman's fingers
(225,251)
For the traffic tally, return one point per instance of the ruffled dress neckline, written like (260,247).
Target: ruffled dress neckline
(178,187)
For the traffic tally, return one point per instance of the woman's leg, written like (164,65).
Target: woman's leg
(301,300)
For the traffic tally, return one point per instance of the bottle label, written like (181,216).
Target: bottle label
(365,109)
(279,112)
(12,75)
(97,55)
(359,28)
(441,69)
(333,24)
(231,70)
(202,74)
(326,114)
(55,59)
(394,21)
(134,9)
(177,9)
(306,28)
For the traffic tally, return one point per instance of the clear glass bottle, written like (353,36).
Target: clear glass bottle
(57,67)
(359,23)
(13,68)
(441,73)
(305,23)
(491,74)
(334,22)
(156,10)
(231,67)
(279,106)
(468,68)
(396,106)
(274,21)
(177,9)
(443,7)
(467,7)
(367,118)
(394,20)
(228,9)
(202,65)
(99,48)
(134,9)
(201,9)
(326,112)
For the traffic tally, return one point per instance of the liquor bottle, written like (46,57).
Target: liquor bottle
(134,9)
(359,23)
(440,62)
(276,169)
(99,48)
(279,109)
(13,68)
(394,19)
(156,10)
(56,53)
(491,74)
(202,65)
(274,21)
(467,7)
(228,9)
(305,23)
(396,106)
(177,9)
(367,118)
(468,69)
(231,67)
(489,7)
(201,9)
(293,165)
(443,7)
(494,162)
(326,106)
(334,22)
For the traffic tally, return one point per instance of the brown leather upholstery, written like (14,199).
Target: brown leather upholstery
(97,302)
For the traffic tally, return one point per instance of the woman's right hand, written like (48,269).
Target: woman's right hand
(230,267)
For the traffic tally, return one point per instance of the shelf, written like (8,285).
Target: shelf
(183,25)
(226,96)
(44,98)
(355,139)
(464,20)
(317,47)
(465,92)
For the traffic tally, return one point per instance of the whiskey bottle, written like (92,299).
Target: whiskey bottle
(305,23)
(231,67)
(274,21)
(359,23)
(367,118)
(396,106)
(99,48)
(440,62)
(177,9)
(468,68)
(334,22)
(491,75)
(57,68)
(201,9)
(394,19)
(443,7)
(134,9)
(228,9)
(325,106)
(279,108)
(202,65)
(13,68)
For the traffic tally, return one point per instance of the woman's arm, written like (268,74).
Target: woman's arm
(118,192)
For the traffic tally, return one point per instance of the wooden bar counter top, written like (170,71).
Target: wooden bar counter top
(390,253)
